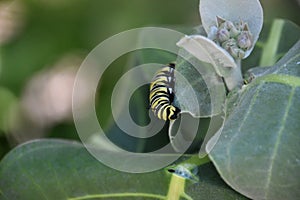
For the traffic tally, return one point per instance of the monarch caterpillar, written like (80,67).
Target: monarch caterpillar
(161,94)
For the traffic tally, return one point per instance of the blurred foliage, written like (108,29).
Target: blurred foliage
(52,30)
(42,33)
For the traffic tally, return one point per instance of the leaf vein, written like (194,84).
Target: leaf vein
(228,150)
(34,183)
(276,146)
(116,195)
(56,179)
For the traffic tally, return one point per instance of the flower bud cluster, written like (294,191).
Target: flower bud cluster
(236,38)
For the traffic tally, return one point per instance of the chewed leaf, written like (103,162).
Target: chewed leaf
(199,90)
(249,11)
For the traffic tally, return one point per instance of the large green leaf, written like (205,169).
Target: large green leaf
(257,152)
(56,169)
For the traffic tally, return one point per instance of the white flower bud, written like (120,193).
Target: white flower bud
(244,40)
(228,25)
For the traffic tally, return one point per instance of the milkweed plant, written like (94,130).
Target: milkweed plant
(240,104)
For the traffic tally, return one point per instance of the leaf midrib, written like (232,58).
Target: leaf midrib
(252,102)
(276,147)
(292,81)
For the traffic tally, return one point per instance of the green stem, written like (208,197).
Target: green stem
(181,173)
(268,57)
(234,77)
(196,161)
(176,189)
(188,168)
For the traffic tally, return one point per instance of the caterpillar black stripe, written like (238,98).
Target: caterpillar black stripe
(162,94)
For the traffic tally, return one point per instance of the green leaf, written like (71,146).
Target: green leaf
(199,93)
(57,169)
(201,84)
(257,151)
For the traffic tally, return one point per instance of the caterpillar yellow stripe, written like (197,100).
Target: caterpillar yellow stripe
(162,94)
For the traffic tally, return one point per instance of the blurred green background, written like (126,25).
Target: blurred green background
(42,44)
